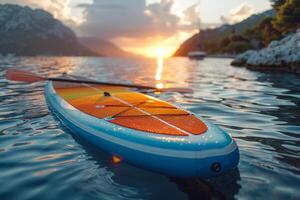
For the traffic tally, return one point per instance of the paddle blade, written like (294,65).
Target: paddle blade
(23,76)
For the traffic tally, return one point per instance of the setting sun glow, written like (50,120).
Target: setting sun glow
(155,46)
(159,51)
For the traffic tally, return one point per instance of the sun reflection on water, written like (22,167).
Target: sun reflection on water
(159,69)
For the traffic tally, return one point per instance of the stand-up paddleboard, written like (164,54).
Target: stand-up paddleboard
(143,130)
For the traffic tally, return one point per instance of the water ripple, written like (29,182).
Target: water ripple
(42,159)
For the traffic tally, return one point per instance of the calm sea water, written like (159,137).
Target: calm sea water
(41,159)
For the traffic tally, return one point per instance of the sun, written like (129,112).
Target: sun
(159,51)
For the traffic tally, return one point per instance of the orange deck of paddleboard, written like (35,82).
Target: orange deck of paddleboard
(130,109)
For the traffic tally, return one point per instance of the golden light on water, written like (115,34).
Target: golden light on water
(159,85)
(160,53)
(159,69)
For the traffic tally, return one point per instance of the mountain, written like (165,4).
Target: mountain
(28,32)
(210,38)
(103,47)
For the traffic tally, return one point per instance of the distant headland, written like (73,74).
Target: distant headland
(266,41)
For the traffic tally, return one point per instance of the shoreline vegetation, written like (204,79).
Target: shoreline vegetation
(226,39)
(265,41)
(282,38)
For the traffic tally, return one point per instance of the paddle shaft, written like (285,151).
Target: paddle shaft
(29,77)
(101,83)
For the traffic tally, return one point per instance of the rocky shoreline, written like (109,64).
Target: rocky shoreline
(283,55)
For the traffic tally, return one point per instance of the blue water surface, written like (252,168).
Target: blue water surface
(42,159)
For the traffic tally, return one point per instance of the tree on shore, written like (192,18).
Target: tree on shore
(269,28)
(268,31)
(286,20)
(287,15)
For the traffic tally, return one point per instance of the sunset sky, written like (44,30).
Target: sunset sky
(146,27)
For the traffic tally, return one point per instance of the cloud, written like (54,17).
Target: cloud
(162,18)
(59,8)
(105,19)
(191,19)
(111,19)
(128,18)
(238,14)
(192,15)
